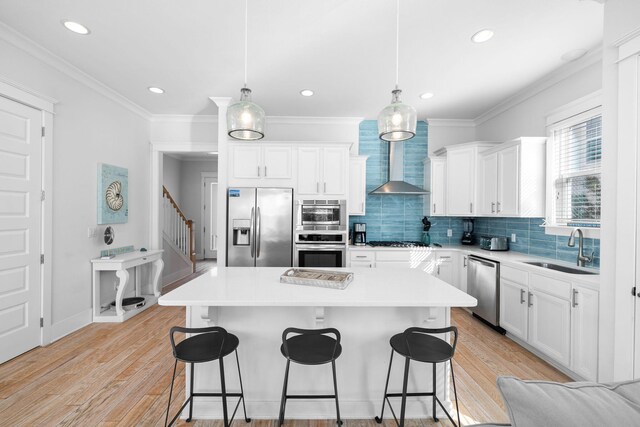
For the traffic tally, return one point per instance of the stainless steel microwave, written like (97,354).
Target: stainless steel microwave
(321,215)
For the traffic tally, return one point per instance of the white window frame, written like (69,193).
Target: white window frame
(573,113)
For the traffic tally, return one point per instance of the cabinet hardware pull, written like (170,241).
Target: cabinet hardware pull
(574,302)
(530,297)
(325,187)
(493,207)
(258,170)
(464,261)
(265,171)
(438,269)
(434,208)
(362,210)
(498,207)
(317,187)
(361,256)
(444,257)
(521,296)
(470,207)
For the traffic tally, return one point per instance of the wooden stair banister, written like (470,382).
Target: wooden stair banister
(181,234)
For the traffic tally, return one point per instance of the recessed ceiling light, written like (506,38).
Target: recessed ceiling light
(572,55)
(482,36)
(426,95)
(75,27)
(306,92)
(156,89)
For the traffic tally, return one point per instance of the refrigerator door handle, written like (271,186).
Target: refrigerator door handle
(251,232)
(257,239)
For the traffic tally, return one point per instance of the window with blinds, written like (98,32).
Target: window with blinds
(576,166)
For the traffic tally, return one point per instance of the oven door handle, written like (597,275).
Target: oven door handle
(304,246)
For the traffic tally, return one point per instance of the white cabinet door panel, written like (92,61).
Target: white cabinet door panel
(508,181)
(438,186)
(461,179)
(514,312)
(246,162)
(334,168)
(549,326)
(277,163)
(309,171)
(488,191)
(584,333)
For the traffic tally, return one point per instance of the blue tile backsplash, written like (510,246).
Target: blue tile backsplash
(399,217)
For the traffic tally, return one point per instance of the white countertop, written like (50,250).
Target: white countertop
(511,258)
(261,287)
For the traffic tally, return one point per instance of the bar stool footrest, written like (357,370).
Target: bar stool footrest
(388,395)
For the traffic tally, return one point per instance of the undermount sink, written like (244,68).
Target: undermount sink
(557,267)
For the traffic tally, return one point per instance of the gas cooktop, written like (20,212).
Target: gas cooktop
(397,244)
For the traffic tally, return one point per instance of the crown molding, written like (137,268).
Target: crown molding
(25,95)
(627,37)
(542,84)
(280,120)
(183,118)
(27,45)
(464,123)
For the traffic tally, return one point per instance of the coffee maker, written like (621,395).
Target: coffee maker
(359,234)
(467,234)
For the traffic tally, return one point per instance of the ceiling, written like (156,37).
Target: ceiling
(192,156)
(342,49)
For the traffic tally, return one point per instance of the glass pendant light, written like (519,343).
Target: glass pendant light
(397,121)
(245,119)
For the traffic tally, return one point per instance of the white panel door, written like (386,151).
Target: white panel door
(246,162)
(20,228)
(508,181)
(277,163)
(514,310)
(309,171)
(488,190)
(584,332)
(334,168)
(461,179)
(438,186)
(210,225)
(549,329)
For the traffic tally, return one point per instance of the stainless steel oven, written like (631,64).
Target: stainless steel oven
(320,249)
(321,215)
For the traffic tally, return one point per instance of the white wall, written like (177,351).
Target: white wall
(616,302)
(171,168)
(448,132)
(89,128)
(191,192)
(528,118)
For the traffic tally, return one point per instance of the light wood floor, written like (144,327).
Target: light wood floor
(119,375)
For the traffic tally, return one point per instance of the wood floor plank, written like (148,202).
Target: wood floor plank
(119,375)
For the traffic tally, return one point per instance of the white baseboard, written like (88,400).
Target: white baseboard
(71,324)
(176,275)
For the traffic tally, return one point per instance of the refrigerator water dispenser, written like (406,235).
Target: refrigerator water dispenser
(241,232)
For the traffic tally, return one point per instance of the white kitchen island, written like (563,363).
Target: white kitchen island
(252,304)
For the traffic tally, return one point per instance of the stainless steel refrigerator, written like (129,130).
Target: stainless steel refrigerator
(259,227)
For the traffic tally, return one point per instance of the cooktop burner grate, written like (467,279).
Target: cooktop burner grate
(397,244)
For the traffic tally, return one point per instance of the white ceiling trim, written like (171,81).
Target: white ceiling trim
(461,123)
(280,120)
(18,40)
(544,83)
(183,118)
(25,95)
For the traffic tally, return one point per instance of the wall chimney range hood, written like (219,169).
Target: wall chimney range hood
(395,183)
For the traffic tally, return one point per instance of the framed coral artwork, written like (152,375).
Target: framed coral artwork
(113,194)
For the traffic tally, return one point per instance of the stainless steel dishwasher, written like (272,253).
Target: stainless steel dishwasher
(483,283)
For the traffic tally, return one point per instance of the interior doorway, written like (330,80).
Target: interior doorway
(209,216)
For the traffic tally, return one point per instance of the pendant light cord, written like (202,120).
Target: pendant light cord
(246,32)
(397,42)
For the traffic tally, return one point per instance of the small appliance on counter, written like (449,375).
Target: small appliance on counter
(494,243)
(467,235)
(359,234)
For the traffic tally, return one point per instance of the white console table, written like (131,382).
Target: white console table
(120,264)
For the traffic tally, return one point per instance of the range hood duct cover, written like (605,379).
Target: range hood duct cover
(396,183)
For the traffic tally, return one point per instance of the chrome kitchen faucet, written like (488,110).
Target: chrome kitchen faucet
(582,259)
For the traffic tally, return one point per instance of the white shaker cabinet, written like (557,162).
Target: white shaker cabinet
(584,332)
(512,179)
(549,325)
(323,171)
(357,185)
(444,268)
(264,165)
(514,308)
(438,186)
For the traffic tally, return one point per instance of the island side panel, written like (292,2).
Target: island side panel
(361,369)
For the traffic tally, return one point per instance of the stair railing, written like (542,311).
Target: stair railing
(178,229)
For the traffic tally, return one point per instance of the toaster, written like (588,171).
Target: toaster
(494,243)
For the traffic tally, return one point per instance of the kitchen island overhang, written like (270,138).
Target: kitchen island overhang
(254,305)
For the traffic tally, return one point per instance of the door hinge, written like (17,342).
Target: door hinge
(42,196)
(41,258)
(43,131)
(42,322)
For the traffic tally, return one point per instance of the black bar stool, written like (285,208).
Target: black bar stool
(416,344)
(210,344)
(310,347)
